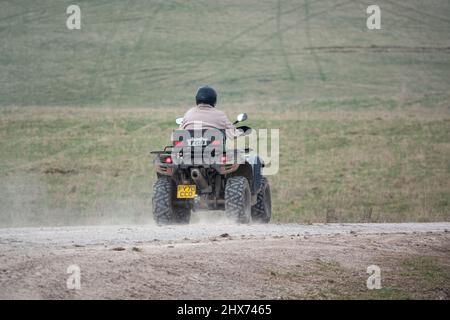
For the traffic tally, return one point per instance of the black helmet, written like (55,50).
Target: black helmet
(207,95)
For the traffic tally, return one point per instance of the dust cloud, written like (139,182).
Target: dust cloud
(26,200)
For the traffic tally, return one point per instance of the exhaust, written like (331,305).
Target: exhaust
(199,179)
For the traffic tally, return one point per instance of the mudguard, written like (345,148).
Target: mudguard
(256,164)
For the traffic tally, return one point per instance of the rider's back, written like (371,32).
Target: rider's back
(207,116)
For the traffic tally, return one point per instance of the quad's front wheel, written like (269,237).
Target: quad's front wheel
(238,199)
(164,210)
(262,210)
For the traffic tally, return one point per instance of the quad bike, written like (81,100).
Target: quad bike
(218,179)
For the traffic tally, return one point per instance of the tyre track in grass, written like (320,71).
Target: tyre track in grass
(147,26)
(309,40)
(226,43)
(270,37)
(281,44)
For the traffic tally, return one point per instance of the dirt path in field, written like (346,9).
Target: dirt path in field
(209,261)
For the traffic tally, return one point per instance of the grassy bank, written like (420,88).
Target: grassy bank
(78,165)
(153,53)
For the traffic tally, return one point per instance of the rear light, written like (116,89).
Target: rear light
(178,143)
(223,159)
(215,142)
(168,160)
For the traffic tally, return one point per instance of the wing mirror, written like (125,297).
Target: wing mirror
(241,117)
(179,121)
(246,130)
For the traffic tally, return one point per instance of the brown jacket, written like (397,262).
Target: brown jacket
(207,116)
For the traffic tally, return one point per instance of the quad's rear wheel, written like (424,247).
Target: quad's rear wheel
(164,210)
(238,199)
(262,210)
(182,215)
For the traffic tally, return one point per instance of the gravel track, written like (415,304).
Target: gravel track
(114,235)
(224,261)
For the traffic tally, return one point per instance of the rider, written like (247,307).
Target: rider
(206,114)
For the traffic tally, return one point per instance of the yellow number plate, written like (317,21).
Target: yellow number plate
(186,191)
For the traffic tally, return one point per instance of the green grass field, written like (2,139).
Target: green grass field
(364,116)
